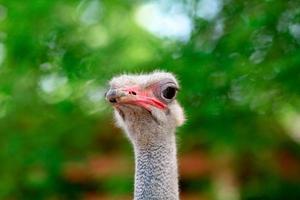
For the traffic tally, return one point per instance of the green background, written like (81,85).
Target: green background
(238,65)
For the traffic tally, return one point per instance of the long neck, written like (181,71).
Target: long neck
(156,175)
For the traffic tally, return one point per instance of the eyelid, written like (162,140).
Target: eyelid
(171,84)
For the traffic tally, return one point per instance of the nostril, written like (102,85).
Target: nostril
(132,92)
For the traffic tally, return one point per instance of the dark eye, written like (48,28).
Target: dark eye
(169,92)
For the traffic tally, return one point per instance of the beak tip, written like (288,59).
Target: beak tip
(111,96)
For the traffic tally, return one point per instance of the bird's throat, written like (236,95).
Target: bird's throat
(156,175)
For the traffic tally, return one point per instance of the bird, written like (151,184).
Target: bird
(145,107)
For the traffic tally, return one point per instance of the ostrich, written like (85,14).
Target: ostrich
(146,109)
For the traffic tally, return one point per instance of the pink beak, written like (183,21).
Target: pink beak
(133,96)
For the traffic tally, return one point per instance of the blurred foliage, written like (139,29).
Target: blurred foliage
(239,67)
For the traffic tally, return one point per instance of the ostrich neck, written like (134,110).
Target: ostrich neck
(156,175)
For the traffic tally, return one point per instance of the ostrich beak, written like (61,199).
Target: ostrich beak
(134,97)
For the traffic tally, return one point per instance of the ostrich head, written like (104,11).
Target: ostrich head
(145,106)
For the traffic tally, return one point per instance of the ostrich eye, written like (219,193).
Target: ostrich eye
(165,90)
(169,92)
